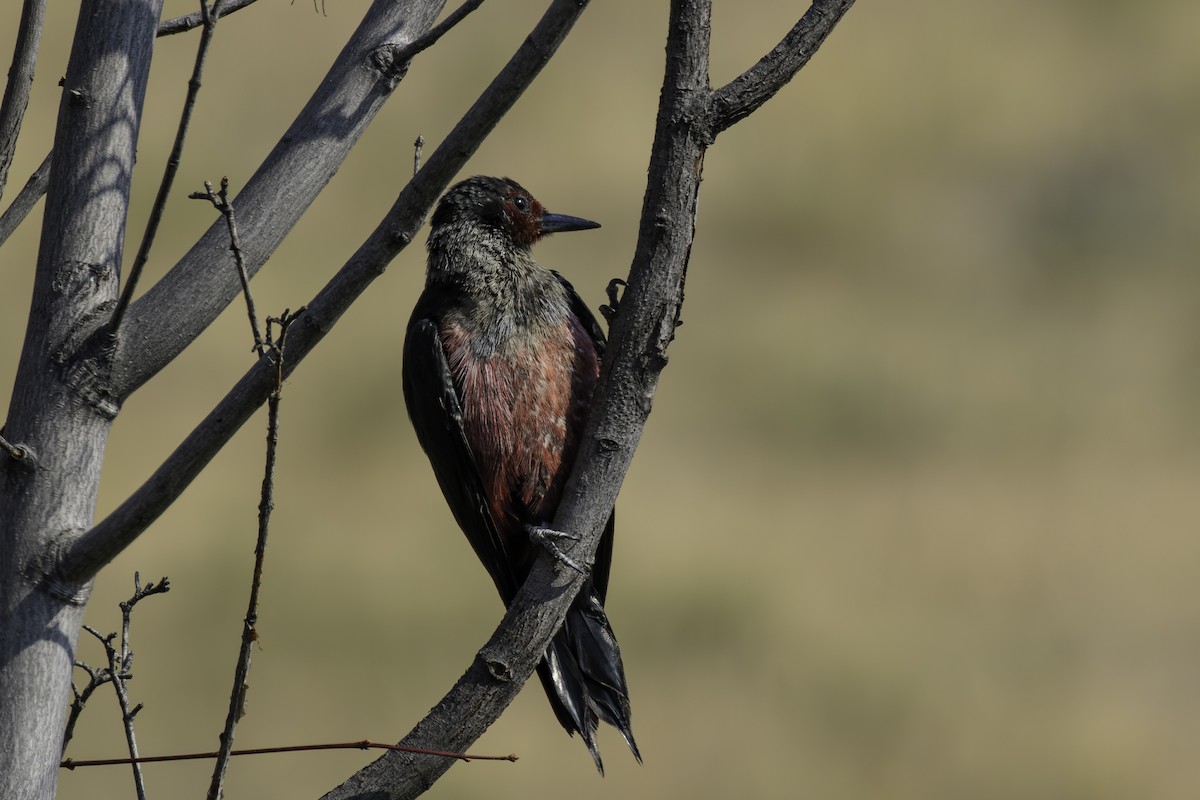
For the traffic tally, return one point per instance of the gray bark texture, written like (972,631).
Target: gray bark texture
(77,368)
(74,374)
(20,80)
(49,495)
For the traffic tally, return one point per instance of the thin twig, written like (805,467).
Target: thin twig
(20,81)
(117,669)
(237,695)
(393,60)
(209,15)
(418,147)
(123,672)
(277,346)
(140,593)
(223,204)
(194,20)
(96,679)
(318,8)
(17,452)
(120,670)
(430,38)
(127,715)
(365,744)
(35,187)
(25,200)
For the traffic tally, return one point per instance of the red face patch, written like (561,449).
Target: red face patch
(525,215)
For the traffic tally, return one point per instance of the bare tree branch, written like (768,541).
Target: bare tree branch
(122,671)
(196,18)
(745,93)
(410,51)
(209,19)
(643,327)
(15,451)
(299,167)
(20,81)
(82,228)
(74,287)
(241,672)
(119,671)
(85,556)
(362,744)
(96,679)
(25,200)
(397,54)
(200,285)
(220,201)
(45,605)
(210,16)
(35,187)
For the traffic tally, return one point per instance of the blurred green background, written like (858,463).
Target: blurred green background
(916,514)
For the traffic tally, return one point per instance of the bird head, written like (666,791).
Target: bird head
(502,207)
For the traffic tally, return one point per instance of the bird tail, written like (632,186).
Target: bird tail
(583,676)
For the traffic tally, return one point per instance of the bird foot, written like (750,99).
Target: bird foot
(547,538)
(614,300)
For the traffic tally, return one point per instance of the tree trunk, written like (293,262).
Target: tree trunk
(56,415)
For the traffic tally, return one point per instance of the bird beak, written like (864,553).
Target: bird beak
(559,223)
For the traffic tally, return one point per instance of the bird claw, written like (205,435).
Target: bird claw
(614,300)
(546,538)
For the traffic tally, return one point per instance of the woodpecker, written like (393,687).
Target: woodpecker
(500,359)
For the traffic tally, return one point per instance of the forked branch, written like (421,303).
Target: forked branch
(119,656)
(746,93)
(644,326)
(102,543)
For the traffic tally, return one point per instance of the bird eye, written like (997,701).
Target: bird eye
(521,203)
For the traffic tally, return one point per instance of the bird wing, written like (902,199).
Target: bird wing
(435,409)
(603,562)
(580,309)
